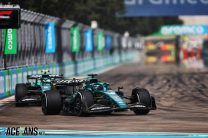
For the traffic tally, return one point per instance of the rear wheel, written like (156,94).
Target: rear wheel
(82,103)
(51,103)
(141,96)
(20,92)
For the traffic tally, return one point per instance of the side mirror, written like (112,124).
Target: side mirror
(120,88)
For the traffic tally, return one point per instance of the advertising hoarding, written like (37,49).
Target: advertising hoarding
(50,45)
(75,39)
(10,41)
(88,40)
(165,7)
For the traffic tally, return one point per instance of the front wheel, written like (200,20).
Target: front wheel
(51,103)
(82,102)
(141,96)
(141,111)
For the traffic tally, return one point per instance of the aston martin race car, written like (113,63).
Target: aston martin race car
(92,96)
(31,92)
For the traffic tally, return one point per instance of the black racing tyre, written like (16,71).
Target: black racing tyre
(51,103)
(34,88)
(141,111)
(82,102)
(20,92)
(141,96)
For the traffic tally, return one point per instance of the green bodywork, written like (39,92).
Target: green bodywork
(44,81)
(102,89)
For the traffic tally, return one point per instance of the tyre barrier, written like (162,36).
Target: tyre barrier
(9,78)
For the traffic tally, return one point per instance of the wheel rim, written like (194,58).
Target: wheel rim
(78,106)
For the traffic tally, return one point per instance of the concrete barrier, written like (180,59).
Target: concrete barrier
(13,80)
(2,83)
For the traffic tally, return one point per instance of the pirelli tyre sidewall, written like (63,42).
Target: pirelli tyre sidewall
(51,102)
(82,102)
(20,92)
(141,96)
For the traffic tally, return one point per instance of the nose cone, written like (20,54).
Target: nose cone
(117,99)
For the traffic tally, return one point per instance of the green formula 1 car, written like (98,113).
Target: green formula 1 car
(31,92)
(91,96)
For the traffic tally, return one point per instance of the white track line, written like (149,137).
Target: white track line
(100,133)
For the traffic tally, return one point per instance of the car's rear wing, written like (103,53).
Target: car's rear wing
(38,76)
(56,76)
(70,82)
(34,76)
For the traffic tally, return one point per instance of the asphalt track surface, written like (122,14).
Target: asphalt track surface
(181,96)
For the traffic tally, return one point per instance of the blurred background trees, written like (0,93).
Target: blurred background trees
(103,11)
